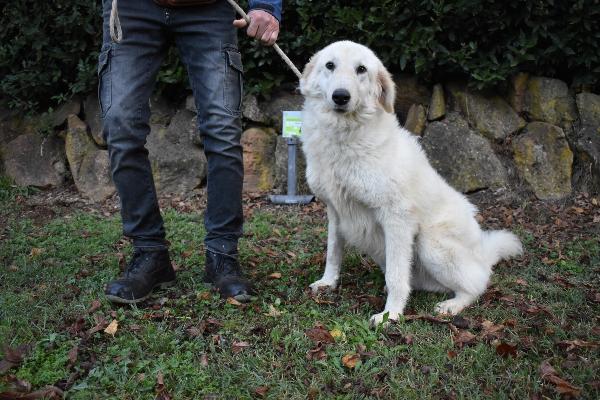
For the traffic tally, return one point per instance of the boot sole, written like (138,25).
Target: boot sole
(120,300)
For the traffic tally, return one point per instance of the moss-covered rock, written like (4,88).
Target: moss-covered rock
(437,105)
(90,166)
(259,159)
(489,115)
(586,141)
(465,159)
(549,100)
(178,164)
(416,119)
(32,160)
(543,158)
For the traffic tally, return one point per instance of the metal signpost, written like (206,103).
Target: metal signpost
(292,127)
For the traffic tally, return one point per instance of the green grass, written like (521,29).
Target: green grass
(52,271)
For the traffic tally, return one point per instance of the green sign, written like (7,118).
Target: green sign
(292,124)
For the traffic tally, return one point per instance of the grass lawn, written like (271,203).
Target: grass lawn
(534,334)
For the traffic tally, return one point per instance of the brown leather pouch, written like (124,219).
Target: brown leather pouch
(182,3)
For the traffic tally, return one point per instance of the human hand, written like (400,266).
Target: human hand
(263,26)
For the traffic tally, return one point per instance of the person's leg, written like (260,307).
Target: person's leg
(127,73)
(207,42)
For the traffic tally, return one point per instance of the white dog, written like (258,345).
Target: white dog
(382,195)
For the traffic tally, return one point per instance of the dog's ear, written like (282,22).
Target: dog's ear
(387,95)
(304,79)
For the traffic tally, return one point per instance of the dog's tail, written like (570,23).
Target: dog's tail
(500,245)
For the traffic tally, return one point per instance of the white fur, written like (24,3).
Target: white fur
(382,195)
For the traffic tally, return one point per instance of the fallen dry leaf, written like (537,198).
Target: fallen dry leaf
(35,251)
(73,354)
(111,329)
(95,305)
(318,353)
(463,337)
(573,344)
(237,347)
(273,312)
(47,393)
(261,391)
(233,302)
(206,295)
(204,360)
(161,393)
(548,373)
(350,360)
(506,350)
(320,334)
(13,357)
(275,275)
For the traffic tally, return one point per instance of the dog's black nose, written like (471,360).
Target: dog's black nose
(340,97)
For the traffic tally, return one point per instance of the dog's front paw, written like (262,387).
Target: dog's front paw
(378,319)
(451,307)
(323,285)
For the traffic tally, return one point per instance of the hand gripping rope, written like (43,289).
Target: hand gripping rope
(116,33)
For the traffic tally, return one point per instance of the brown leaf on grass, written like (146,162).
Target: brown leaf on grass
(111,329)
(506,350)
(570,345)
(350,360)
(319,334)
(18,385)
(425,317)
(318,353)
(233,302)
(549,374)
(562,386)
(452,354)
(101,323)
(490,331)
(35,252)
(204,360)
(161,393)
(237,347)
(13,357)
(73,354)
(274,275)
(273,312)
(461,322)
(47,393)
(462,338)
(261,391)
(94,306)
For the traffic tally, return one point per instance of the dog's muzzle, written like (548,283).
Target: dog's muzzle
(341,98)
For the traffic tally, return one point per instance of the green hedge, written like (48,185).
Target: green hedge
(48,50)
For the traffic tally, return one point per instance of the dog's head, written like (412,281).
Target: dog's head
(348,78)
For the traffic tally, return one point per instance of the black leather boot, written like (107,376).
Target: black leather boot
(146,270)
(224,272)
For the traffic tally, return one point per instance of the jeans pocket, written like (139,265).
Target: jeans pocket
(233,84)
(104,79)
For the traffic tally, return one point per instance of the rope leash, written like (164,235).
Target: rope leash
(116,33)
(283,56)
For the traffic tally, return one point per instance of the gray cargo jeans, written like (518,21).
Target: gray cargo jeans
(207,44)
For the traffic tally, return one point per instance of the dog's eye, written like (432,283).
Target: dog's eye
(361,69)
(330,66)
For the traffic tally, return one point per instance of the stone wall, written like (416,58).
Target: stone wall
(536,137)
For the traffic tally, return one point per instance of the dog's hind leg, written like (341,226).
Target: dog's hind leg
(456,268)
(335,248)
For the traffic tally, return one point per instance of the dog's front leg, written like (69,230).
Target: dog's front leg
(335,248)
(399,236)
